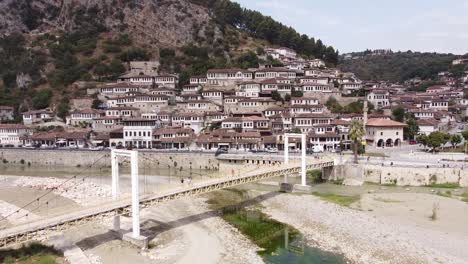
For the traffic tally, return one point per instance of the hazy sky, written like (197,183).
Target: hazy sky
(418,25)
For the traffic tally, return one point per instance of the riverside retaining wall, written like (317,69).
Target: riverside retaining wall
(401,176)
(76,158)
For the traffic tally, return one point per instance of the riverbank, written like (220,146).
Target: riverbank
(380,228)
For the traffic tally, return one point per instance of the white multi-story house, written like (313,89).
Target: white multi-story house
(305,122)
(198,80)
(199,106)
(190,89)
(427,126)
(10,134)
(194,121)
(316,63)
(313,88)
(422,113)
(119,89)
(314,80)
(173,137)
(324,135)
(248,89)
(379,98)
(37,116)
(350,87)
(228,77)
(439,104)
(122,112)
(245,124)
(213,95)
(84,117)
(167,80)
(304,101)
(275,72)
(138,132)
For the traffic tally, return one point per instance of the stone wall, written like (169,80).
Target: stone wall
(81,158)
(401,176)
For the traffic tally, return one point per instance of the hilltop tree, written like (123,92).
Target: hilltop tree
(355,133)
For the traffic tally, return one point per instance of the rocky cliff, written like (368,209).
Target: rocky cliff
(152,22)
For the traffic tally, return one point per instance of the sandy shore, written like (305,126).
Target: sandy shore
(82,192)
(182,231)
(382,228)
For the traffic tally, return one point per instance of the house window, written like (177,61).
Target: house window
(381,133)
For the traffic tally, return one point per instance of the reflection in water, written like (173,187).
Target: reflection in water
(279,242)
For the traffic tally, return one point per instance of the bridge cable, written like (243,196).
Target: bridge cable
(51,190)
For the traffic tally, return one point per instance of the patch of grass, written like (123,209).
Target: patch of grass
(32,253)
(448,185)
(383,200)
(445,194)
(338,182)
(457,149)
(464,197)
(338,199)
(373,154)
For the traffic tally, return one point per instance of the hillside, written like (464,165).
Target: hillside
(397,66)
(47,45)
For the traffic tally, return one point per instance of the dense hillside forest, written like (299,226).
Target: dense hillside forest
(399,66)
(47,45)
(265,27)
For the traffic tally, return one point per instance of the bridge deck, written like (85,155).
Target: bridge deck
(28,231)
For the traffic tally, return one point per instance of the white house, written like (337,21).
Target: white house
(384,133)
(10,134)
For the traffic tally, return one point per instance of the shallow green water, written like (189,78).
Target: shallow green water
(280,243)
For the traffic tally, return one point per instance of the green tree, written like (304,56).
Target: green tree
(399,114)
(465,135)
(247,60)
(455,140)
(423,140)
(96,103)
(355,133)
(445,139)
(297,131)
(42,99)
(275,95)
(435,140)
(411,129)
(63,108)
(333,105)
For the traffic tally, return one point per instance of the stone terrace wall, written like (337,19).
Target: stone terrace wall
(401,176)
(83,158)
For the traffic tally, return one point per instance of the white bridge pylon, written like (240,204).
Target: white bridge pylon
(133,155)
(303,155)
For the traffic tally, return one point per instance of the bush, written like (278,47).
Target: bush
(315,176)
(42,99)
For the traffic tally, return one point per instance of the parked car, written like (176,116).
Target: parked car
(272,150)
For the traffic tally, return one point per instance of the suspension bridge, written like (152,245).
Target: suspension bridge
(37,228)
